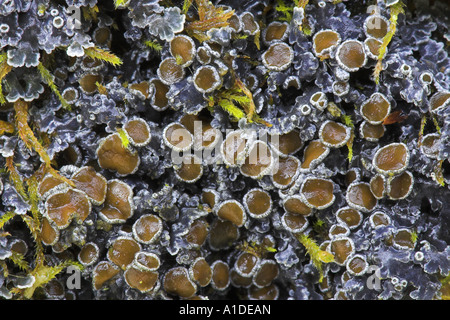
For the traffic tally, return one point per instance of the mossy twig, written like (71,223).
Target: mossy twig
(155,46)
(6,127)
(28,137)
(5,68)
(6,217)
(396,10)
(209,17)
(49,79)
(103,55)
(317,255)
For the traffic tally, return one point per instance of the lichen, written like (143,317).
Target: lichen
(224,149)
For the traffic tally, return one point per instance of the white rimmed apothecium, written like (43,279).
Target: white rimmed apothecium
(147,229)
(258,203)
(278,56)
(119,204)
(351,55)
(207,79)
(391,159)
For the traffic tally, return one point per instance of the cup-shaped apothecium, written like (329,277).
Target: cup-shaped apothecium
(351,55)
(324,42)
(258,203)
(278,56)
(182,48)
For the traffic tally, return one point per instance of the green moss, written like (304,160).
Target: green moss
(317,255)
(49,79)
(396,10)
(103,55)
(155,46)
(124,138)
(284,10)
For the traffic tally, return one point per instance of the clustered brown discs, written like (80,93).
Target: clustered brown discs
(342,248)
(275,31)
(48,185)
(259,160)
(258,203)
(373,46)
(138,132)
(177,137)
(118,205)
(403,239)
(232,211)
(266,273)
(294,223)
(378,186)
(158,98)
(400,186)
(287,143)
(207,79)
(122,251)
(357,265)
(391,159)
(439,101)
(141,89)
(233,148)
(360,197)
(271,292)
(203,55)
(49,233)
(334,134)
(220,275)
(183,48)
(337,230)
(88,82)
(142,280)
(200,271)
(249,24)
(147,261)
(234,22)
(246,264)
(112,155)
(379,219)
(169,71)
(350,217)
(63,206)
(210,197)
(295,205)
(278,56)
(92,183)
(177,282)
(103,273)
(376,108)
(324,42)
(223,234)
(288,168)
(89,254)
(198,233)
(376,26)
(205,136)
(371,132)
(317,193)
(351,55)
(313,154)
(147,228)
(319,100)
(190,169)
(430,145)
